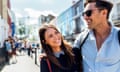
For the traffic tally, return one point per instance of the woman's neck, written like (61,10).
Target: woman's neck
(56,49)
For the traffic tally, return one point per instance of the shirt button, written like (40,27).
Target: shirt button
(97,60)
(90,70)
(83,57)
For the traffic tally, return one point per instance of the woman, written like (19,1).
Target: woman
(59,56)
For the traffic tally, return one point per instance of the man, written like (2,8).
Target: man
(101,49)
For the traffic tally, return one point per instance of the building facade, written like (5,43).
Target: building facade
(45,19)
(65,22)
(70,21)
(5,28)
(115,14)
(5,22)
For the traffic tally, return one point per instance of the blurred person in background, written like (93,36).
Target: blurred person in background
(13,53)
(8,50)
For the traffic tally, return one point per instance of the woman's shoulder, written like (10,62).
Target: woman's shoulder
(43,65)
(43,59)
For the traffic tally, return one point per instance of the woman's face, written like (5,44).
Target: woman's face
(52,38)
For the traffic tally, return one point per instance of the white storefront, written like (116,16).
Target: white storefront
(3,31)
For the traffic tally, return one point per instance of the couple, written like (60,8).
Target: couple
(100,51)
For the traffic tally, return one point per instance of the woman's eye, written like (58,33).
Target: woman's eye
(56,32)
(50,36)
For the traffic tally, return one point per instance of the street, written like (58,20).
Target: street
(24,64)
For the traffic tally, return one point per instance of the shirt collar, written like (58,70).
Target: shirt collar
(91,33)
(58,54)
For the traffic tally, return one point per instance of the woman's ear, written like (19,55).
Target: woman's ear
(43,41)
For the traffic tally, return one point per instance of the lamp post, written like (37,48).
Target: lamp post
(35,55)
(37,47)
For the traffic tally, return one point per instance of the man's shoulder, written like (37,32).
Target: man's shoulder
(117,28)
(82,33)
(80,38)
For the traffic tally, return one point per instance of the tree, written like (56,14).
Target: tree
(22,30)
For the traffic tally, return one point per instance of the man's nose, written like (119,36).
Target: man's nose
(85,17)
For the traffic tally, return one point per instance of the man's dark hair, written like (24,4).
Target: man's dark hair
(102,4)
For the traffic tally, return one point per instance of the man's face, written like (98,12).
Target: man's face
(92,15)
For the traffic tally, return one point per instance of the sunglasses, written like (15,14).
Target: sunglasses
(88,12)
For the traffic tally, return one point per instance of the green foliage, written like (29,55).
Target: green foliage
(22,30)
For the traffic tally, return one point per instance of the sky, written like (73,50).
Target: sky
(36,7)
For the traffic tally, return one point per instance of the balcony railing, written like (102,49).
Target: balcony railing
(116,19)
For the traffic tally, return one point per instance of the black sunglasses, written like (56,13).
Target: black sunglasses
(89,12)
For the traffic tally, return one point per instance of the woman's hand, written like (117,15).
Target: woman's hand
(42,55)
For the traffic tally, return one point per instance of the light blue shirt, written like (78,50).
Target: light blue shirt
(107,59)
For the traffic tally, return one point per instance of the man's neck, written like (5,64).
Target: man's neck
(101,33)
(103,30)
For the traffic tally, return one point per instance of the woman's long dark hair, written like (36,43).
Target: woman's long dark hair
(65,46)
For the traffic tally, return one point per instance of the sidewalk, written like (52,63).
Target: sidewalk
(24,64)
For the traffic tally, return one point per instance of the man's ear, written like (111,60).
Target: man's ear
(105,12)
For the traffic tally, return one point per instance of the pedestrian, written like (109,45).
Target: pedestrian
(8,50)
(13,58)
(100,50)
(59,56)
